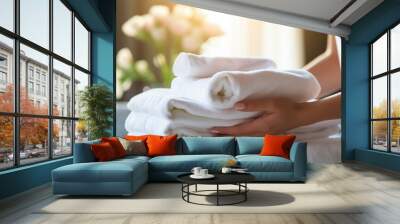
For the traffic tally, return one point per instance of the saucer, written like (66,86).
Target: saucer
(208,176)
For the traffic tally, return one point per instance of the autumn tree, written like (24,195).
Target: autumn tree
(33,131)
(380,127)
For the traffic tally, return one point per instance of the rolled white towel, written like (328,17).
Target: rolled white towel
(197,66)
(162,102)
(226,88)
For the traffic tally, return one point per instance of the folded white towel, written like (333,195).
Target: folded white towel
(317,131)
(162,102)
(183,124)
(197,66)
(226,88)
(188,125)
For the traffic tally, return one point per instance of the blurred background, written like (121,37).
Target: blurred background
(151,33)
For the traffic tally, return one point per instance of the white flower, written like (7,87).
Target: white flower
(142,66)
(212,30)
(158,33)
(177,26)
(122,87)
(133,26)
(193,41)
(159,60)
(183,11)
(124,58)
(159,12)
(148,22)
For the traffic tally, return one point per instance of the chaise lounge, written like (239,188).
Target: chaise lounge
(125,176)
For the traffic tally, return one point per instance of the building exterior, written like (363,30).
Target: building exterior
(35,80)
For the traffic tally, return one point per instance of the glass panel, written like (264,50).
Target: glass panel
(62,138)
(33,140)
(81,45)
(395,94)
(81,81)
(395,136)
(62,89)
(6,142)
(81,131)
(379,97)
(35,21)
(7,14)
(6,74)
(395,47)
(379,55)
(379,135)
(34,97)
(62,29)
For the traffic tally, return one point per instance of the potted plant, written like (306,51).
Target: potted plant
(96,103)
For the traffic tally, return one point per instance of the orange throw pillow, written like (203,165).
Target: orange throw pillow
(103,152)
(277,145)
(116,145)
(161,145)
(136,137)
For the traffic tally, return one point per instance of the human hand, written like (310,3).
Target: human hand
(277,117)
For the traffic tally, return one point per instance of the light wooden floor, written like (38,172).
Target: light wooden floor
(379,189)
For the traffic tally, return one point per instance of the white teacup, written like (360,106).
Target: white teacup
(203,172)
(226,170)
(196,171)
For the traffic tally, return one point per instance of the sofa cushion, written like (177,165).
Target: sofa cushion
(83,152)
(257,163)
(116,145)
(206,145)
(135,147)
(185,163)
(161,145)
(277,145)
(112,171)
(249,145)
(103,152)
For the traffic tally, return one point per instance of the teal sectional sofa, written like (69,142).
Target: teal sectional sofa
(125,176)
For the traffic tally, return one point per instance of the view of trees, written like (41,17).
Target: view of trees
(34,131)
(380,127)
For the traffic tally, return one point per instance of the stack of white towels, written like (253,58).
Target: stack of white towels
(205,90)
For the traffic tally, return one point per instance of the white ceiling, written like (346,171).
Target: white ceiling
(325,16)
(321,9)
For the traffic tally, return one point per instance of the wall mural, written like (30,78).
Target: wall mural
(194,72)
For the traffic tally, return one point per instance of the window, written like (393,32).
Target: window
(30,72)
(6,89)
(3,78)
(385,94)
(62,30)
(81,45)
(37,89)
(30,88)
(44,91)
(41,123)
(62,74)
(3,61)
(7,14)
(34,21)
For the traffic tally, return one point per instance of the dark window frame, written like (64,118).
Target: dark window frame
(388,74)
(16,114)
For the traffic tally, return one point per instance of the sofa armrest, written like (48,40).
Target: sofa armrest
(298,155)
(83,152)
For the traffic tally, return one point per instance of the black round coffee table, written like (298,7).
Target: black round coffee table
(238,179)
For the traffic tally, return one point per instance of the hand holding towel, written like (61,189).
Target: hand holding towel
(163,103)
